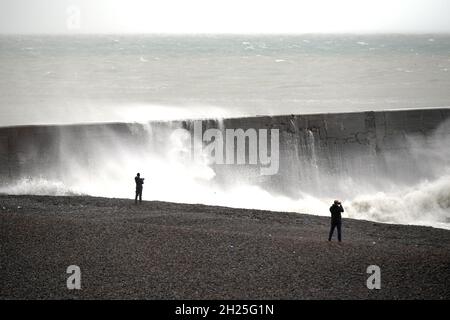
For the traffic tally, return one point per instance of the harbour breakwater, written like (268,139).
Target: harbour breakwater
(320,156)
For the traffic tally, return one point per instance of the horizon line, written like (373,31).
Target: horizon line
(438,33)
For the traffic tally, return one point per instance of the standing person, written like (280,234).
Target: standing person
(139,182)
(336,219)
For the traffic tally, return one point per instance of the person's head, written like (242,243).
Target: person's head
(138,174)
(337,202)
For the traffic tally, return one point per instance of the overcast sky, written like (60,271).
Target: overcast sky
(224,16)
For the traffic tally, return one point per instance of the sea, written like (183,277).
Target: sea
(100,78)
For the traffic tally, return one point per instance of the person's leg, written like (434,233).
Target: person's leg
(339,225)
(136,197)
(140,196)
(331,230)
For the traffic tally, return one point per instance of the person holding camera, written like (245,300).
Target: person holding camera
(336,219)
(139,182)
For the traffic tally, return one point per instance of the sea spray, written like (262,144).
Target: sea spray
(400,180)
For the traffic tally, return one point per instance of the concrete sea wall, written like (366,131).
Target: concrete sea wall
(313,148)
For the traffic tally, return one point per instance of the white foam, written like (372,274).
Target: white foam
(173,176)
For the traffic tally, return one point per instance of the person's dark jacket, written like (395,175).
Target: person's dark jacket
(336,210)
(139,183)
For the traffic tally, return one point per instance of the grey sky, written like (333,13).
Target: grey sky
(224,16)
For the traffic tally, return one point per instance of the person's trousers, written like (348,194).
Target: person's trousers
(138,194)
(335,224)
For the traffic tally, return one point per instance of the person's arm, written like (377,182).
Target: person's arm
(342,208)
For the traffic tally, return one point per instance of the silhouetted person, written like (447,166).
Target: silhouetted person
(336,219)
(139,182)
